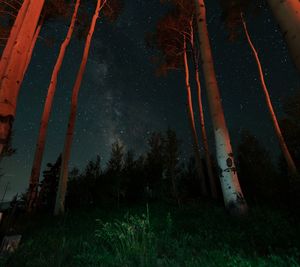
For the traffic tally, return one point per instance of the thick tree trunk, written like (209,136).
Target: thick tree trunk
(196,149)
(63,180)
(232,193)
(289,160)
(14,62)
(40,146)
(12,36)
(287,14)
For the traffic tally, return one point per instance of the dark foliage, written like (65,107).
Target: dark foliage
(169,36)
(158,175)
(290,126)
(231,14)
(48,186)
(259,178)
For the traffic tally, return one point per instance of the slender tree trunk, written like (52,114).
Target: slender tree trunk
(35,37)
(289,160)
(196,149)
(287,14)
(14,63)
(212,181)
(232,193)
(40,146)
(63,180)
(211,176)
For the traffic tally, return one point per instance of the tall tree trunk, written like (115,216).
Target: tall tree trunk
(211,176)
(289,160)
(196,149)
(63,179)
(41,141)
(232,193)
(14,63)
(287,14)
(12,36)
(34,39)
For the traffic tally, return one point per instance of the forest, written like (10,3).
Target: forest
(144,157)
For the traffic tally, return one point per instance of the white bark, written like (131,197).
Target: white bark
(232,193)
(231,189)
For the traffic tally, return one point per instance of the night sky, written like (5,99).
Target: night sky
(122,98)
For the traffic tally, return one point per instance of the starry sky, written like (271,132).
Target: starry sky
(122,98)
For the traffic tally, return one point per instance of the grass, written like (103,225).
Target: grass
(158,235)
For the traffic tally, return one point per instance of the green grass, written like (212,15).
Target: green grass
(160,235)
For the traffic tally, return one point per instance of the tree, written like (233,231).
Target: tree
(257,172)
(14,62)
(134,177)
(290,125)
(287,14)
(48,186)
(59,207)
(154,165)
(232,193)
(115,168)
(18,51)
(172,36)
(40,146)
(8,13)
(82,187)
(234,11)
(172,171)
(209,165)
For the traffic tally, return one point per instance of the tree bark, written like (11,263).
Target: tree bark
(211,176)
(63,180)
(232,193)
(287,14)
(14,63)
(289,160)
(34,39)
(40,146)
(196,149)
(12,36)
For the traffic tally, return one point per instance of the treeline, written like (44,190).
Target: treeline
(182,39)
(161,174)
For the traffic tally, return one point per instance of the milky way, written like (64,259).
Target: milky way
(121,98)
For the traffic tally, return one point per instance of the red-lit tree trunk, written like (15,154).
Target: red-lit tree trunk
(232,193)
(211,176)
(289,160)
(14,62)
(34,39)
(13,35)
(196,149)
(41,141)
(287,14)
(63,180)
